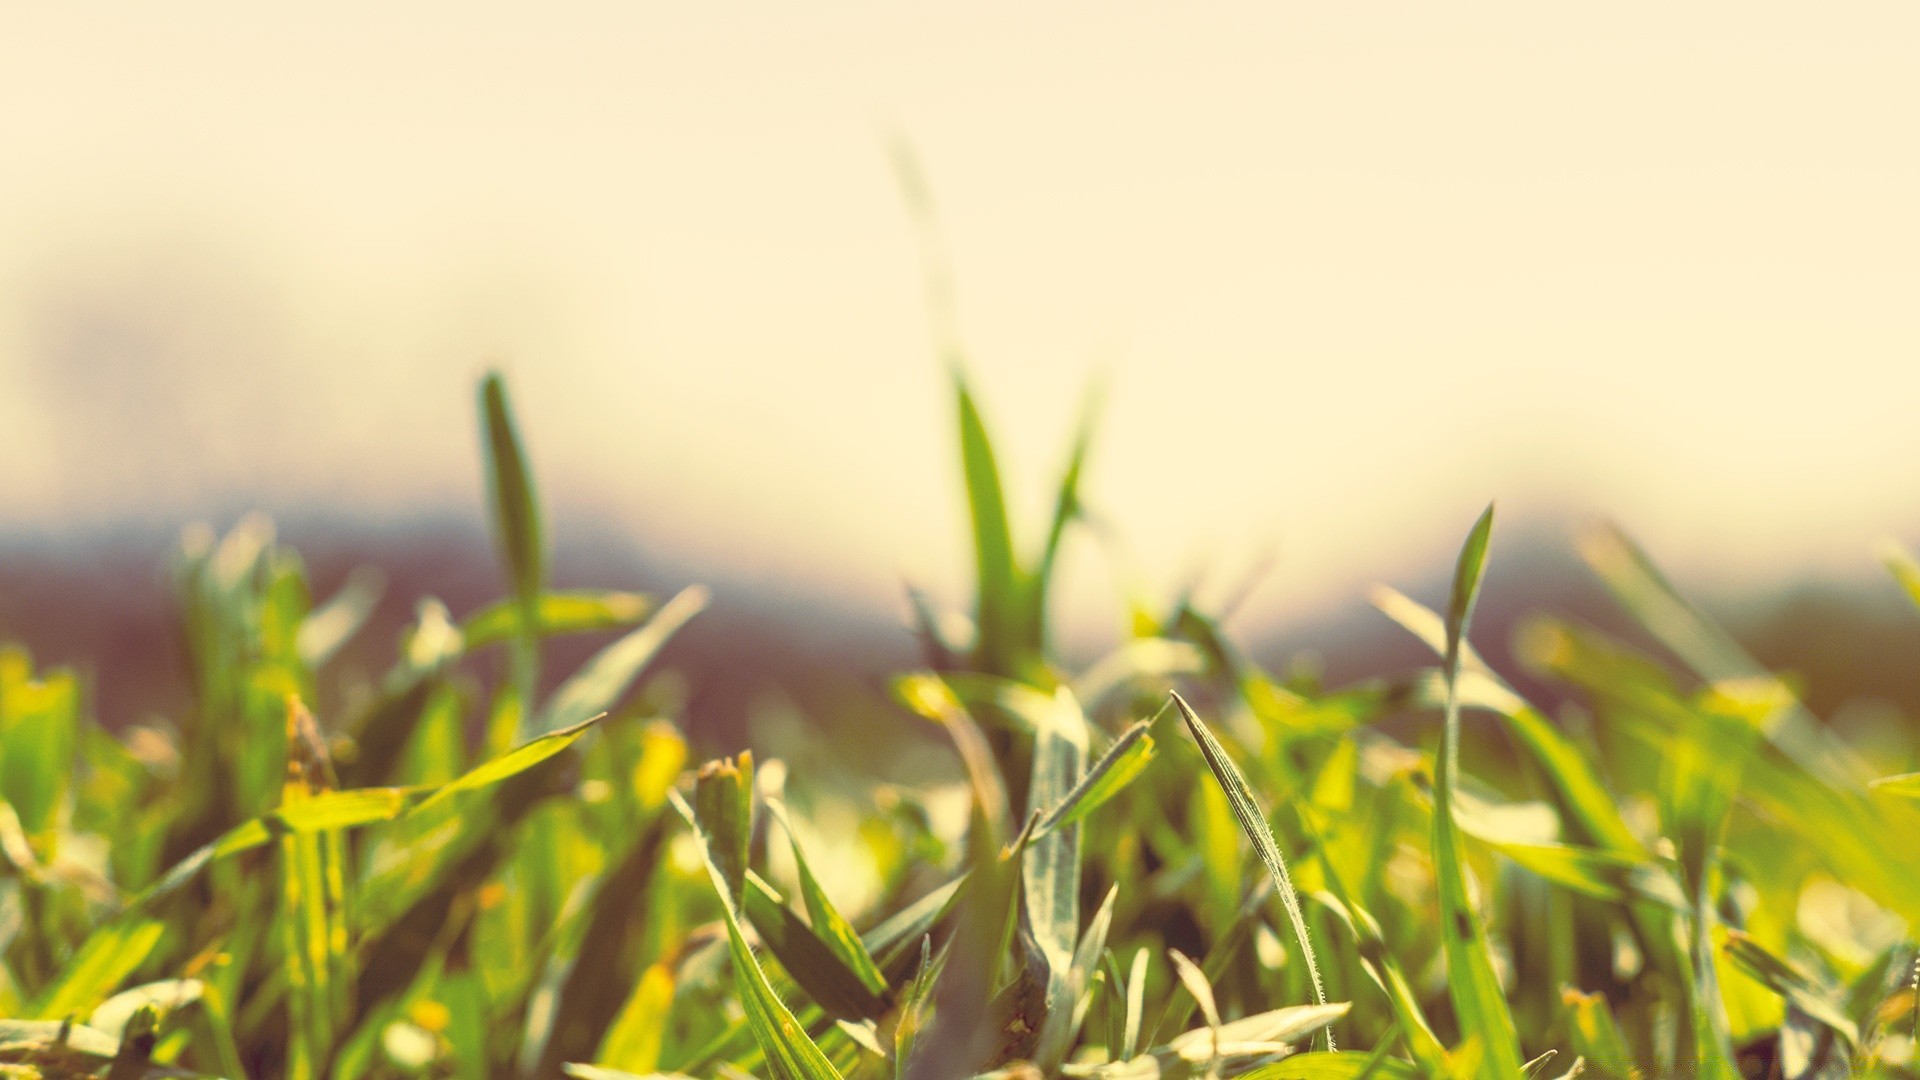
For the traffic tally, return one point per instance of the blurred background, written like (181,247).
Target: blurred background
(1345,272)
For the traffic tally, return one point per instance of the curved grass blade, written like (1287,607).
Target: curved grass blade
(600,683)
(1126,759)
(109,955)
(1254,824)
(831,927)
(790,1053)
(813,964)
(1478,1001)
(1063,1024)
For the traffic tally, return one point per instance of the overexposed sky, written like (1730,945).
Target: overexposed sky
(1350,270)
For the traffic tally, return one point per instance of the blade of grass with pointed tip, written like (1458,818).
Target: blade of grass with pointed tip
(516,525)
(334,810)
(1126,759)
(831,927)
(602,681)
(1254,824)
(1478,1001)
(569,611)
(997,573)
(790,1053)
(1201,991)
(1584,801)
(1136,1005)
(826,978)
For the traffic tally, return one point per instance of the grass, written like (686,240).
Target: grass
(457,875)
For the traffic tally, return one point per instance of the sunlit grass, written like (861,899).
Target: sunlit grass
(461,875)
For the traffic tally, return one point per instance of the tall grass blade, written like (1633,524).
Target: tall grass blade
(1478,1001)
(1254,824)
(1050,866)
(517,527)
(999,592)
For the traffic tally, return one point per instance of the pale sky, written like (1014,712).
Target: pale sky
(1350,270)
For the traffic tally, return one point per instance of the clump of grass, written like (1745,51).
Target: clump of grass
(455,874)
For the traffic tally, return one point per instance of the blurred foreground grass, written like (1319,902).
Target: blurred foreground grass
(466,877)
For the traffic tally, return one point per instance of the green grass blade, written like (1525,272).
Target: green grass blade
(513,762)
(790,1053)
(561,612)
(1595,1035)
(516,525)
(610,961)
(110,955)
(1254,824)
(1584,800)
(997,574)
(1343,1065)
(600,683)
(831,927)
(1131,1029)
(1478,1002)
(1377,961)
(1050,866)
(1125,760)
(814,965)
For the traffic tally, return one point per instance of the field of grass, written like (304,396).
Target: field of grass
(1170,864)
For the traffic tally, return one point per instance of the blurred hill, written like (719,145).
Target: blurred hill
(102,601)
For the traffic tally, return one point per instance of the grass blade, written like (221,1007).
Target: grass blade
(1346,1065)
(831,927)
(790,1053)
(1478,1001)
(997,574)
(1050,866)
(600,683)
(560,612)
(516,526)
(1254,824)
(1126,759)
